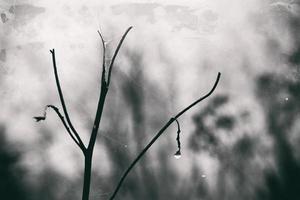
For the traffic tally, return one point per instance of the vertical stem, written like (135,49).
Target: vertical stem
(81,145)
(88,154)
(104,90)
(87,175)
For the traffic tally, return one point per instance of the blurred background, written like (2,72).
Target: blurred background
(242,142)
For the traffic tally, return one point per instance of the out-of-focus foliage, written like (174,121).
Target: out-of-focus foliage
(131,126)
(235,151)
(284,181)
(239,173)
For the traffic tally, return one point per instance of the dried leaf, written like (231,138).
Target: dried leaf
(40,118)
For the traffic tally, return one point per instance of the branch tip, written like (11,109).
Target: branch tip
(116,53)
(61,97)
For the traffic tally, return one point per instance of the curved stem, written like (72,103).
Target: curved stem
(104,90)
(103,81)
(160,132)
(65,125)
(116,53)
(63,101)
(198,100)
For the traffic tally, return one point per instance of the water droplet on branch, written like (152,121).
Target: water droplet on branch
(177,155)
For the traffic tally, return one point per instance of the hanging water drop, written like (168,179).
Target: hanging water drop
(177,155)
(203,176)
(286,98)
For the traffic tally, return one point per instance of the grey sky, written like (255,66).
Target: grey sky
(182,45)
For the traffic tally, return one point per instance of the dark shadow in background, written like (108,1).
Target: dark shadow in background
(237,160)
(148,182)
(12,184)
(284,183)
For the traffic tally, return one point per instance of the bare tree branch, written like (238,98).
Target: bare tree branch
(40,118)
(88,151)
(66,126)
(198,100)
(63,101)
(103,80)
(115,54)
(104,90)
(160,132)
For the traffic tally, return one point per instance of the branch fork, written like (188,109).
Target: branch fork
(105,81)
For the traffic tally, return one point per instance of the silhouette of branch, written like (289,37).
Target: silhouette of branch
(63,101)
(65,124)
(40,118)
(115,54)
(87,151)
(103,81)
(104,90)
(160,132)
(197,101)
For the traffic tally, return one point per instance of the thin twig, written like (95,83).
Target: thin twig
(104,90)
(115,54)
(103,81)
(65,125)
(63,101)
(160,132)
(44,116)
(197,101)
